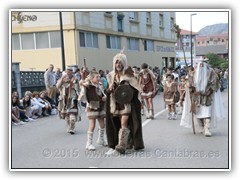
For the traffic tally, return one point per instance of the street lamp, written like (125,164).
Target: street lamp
(191,35)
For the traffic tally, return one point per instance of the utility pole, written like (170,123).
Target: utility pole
(62,42)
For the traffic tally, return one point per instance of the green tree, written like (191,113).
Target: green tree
(217,62)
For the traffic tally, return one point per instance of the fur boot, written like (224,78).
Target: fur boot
(207,133)
(151,114)
(101,140)
(148,114)
(71,123)
(174,115)
(89,145)
(122,140)
(201,125)
(181,110)
(169,116)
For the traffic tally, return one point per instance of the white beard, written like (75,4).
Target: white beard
(201,77)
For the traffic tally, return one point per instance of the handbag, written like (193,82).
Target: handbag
(176,97)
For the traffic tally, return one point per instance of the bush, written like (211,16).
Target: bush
(217,62)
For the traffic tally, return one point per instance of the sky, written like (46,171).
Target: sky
(201,19)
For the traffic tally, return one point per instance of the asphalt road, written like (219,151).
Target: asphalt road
(45,144)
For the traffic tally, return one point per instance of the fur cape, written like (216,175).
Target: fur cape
(113,124)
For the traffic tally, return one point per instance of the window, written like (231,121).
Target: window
(120,25)
(148,45)
(55,39)
(113,42)
(42,40)
(133,16)
(15,42)
(27,41)
(88,39)
(148,17)
(160,20)
(120,17)
(38,40)
(133,44)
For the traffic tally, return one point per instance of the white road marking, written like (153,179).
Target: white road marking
(147,121)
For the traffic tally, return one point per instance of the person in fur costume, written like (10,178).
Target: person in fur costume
(94,93)
(147,82)
(123,121)
(68,87)
(203,99)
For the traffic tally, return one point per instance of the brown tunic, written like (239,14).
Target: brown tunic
(147,84)
(95,106)
(169,90)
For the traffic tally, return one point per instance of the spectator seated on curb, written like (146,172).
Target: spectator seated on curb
(41,103)
(51,101)
(49,107)
(20,109)
(15,114)
(36,110)
(31,110)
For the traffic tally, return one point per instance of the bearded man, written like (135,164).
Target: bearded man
(123,119)
(68,87)
(205,103)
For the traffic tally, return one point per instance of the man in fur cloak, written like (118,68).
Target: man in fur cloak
(123,121)
(206,103)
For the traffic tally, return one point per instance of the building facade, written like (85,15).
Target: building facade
(97,36)
(216,43)
(186,44)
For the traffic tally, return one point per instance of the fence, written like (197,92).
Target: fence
(26,80)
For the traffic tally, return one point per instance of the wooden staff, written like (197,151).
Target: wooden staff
(84,73)
(84,63)
(193,126)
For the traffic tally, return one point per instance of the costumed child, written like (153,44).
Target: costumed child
(92,90)
(168,94)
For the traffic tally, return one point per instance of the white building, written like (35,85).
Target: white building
(97,36)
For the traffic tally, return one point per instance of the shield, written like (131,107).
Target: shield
(123,94)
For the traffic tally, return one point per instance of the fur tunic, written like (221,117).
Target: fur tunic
(169,90)
(147,81)
(68,103)
(95,105)
(113,123)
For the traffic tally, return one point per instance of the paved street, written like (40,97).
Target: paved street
(45,144)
